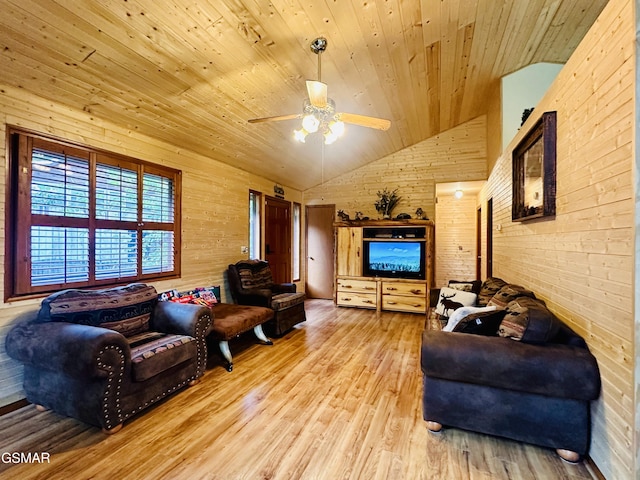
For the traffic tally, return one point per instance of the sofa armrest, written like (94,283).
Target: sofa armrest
(284,288)
(545,369)
(81,351)
(181,318)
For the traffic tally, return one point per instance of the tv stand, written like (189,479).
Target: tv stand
(353,289)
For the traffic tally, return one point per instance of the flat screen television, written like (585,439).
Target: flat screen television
(383,258)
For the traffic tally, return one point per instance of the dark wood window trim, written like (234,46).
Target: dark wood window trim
(145,220)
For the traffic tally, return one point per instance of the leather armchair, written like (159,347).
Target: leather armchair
(103,372)
(251,283)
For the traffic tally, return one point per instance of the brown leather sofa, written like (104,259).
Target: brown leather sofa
(517,372)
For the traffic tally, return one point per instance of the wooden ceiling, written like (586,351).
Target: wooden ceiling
(192,72)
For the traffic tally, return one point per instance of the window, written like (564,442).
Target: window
(79,217)
(297,230)
(255,199)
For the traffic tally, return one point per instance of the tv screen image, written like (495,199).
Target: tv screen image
(396,259)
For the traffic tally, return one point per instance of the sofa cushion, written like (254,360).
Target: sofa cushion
(507,293)
(153,353)
(451,299)
(481,323)
(126,310)
(461,313)
(282,301)
(528,320)
(230,320)
(488,289)
(254,274)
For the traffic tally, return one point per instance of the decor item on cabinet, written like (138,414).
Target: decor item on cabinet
(403,216)
(101,356)
(343,216)
(359,217)
(251,283)
(534,172)
(387,201)
(547,376)
(319,112)
(420,215)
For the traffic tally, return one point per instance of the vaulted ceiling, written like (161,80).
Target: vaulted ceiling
(192,72)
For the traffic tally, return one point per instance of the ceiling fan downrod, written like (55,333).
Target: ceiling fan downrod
(318,46)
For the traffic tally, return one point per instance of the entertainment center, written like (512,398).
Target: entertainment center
(384,264)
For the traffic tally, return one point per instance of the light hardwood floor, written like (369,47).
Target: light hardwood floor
(339,397)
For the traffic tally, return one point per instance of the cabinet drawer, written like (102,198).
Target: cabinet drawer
(399,288)
(359,286)
(354,299)
(404,304)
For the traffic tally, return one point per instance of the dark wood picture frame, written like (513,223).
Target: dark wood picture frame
(534,172)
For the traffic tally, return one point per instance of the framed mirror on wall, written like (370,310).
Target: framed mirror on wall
(534,172)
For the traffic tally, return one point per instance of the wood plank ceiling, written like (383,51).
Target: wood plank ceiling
(192,72)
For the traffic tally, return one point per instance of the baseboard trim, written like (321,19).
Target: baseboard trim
(593,469)
(12,407)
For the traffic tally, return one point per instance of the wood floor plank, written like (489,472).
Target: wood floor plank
(339,397)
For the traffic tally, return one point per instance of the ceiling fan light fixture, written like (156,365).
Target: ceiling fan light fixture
(310,123)
(300,135)
(336,127)
(329,137)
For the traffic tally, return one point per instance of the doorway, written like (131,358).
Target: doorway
(490,237)
(320,251)
(479,244)
(277,233)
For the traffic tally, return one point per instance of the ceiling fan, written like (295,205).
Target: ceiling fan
(319,111)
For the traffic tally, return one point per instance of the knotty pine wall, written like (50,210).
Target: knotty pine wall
(458,154)
(214,203)
(582,262)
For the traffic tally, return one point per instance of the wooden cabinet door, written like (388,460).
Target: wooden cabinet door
(349,251)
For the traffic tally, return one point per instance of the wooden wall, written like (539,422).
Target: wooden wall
(581,263)
(214,204)
(456,155)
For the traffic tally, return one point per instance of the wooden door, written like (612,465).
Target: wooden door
(349,251)
(320,248)
(277,233)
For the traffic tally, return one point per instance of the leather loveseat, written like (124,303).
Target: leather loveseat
(516,372)
(101,356)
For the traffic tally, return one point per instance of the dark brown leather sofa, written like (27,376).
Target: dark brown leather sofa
(536,389)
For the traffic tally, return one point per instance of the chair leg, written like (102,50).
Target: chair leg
(226,353)
(261,336)
(568,455)
(111,431)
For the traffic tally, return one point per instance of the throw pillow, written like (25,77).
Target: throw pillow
(488,289)
(451,299)
(529,321)
(508,293)
(461,313)
(465,285)
(481,323)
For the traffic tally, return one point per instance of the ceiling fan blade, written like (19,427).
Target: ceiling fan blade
(277,118)
(317,93)
(364,121)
